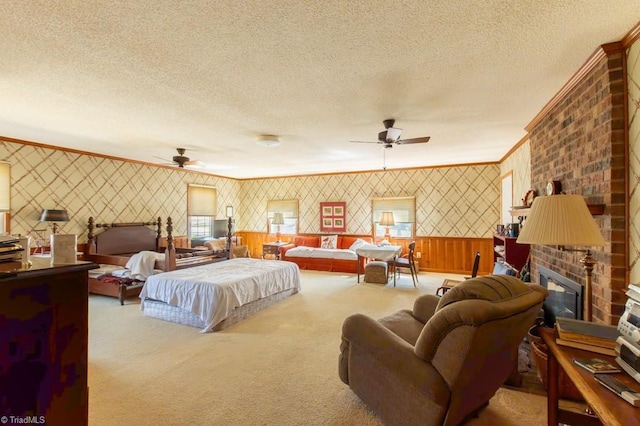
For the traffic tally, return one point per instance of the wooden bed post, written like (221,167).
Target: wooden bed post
(229,239)
(158,233)
(91,238)
(170,252)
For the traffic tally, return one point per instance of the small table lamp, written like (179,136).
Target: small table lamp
(564,220)
(387,221)
(278,219)
(49,215)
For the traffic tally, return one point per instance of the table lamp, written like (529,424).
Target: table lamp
(387,221)
(564,220)
(49,215)
(278,219)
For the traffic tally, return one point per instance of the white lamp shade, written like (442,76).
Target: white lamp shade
(5,187)
(278,219)
(387,219)
(562,220)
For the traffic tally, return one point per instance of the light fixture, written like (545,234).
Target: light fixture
(49,215)
(229,211)
(387,221)
(278,219)
(268,141)
(564,220)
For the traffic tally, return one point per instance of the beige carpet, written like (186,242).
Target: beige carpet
(278,367)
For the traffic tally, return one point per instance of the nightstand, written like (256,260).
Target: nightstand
(272,249)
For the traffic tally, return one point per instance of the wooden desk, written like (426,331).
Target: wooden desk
(610,408)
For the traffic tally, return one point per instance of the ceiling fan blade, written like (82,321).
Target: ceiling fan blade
(365,142)
(393,134)
(414,140)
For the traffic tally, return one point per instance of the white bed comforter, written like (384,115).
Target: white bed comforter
(213,291)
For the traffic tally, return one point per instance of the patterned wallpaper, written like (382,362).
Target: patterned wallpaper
(633,84)
(109,190)
(450,201)
(519,162)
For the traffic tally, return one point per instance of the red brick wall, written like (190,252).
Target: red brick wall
(580,141)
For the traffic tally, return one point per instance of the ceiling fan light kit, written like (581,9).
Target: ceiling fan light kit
(268,141)
(391,136)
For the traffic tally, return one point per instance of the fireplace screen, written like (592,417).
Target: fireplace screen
(565,296)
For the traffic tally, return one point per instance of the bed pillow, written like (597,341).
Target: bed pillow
(330,242)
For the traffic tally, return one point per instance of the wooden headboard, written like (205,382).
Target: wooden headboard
(124,238)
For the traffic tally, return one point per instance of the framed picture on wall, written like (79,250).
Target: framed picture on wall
(333,216)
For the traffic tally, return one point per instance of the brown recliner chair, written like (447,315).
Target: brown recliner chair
(443,361)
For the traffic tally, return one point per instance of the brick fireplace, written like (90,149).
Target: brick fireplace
(579,139)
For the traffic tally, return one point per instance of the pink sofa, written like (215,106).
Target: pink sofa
(321,260)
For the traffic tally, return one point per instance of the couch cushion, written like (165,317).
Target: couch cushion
(300,240)
(347,243)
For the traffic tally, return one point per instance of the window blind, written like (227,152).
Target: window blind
(403,208)
(201,200)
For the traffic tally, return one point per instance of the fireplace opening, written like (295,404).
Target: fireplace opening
(565,296)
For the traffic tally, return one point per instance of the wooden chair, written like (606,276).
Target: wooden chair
(476,264)
(407,262)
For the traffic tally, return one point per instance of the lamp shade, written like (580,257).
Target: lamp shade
(5,187)
(278,219)
(49,215)
(387,219)
(229,211)
(562,220)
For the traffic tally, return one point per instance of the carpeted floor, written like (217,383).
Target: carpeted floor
(278,367)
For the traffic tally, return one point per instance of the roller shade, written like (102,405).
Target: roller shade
(202,200)
(403,208)
(288,208)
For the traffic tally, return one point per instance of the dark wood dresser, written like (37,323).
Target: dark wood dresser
(44,341)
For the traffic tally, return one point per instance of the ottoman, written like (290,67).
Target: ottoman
(376,272)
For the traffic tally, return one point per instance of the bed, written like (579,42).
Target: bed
(119,244)
(217,295)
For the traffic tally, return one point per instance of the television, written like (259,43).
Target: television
(221,228)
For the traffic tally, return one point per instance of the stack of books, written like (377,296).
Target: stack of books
(10,248)
(589,336)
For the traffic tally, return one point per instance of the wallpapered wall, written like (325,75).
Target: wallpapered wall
(109,190)
(633,85)
(519,163)
(450,201)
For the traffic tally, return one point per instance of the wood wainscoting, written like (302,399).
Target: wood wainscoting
(452,255)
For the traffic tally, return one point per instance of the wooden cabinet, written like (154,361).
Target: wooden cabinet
(513,253)
(43,341)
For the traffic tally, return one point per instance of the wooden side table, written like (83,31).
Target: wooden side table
(610,408)
(272,249)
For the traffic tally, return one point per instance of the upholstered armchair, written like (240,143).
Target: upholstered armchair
(441,362)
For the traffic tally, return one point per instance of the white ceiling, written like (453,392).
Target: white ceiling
(138,79)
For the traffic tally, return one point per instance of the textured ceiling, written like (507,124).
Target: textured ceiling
(137,79)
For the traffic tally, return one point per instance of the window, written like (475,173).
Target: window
(404,216)
(289,210)
(201,210)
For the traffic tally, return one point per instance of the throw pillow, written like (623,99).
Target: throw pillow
(502,269)
(357,244)
(329,242)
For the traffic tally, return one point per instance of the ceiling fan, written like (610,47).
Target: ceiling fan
(182,161)
(391,136)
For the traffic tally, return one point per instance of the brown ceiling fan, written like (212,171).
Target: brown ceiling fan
(391,136)
(181,160)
